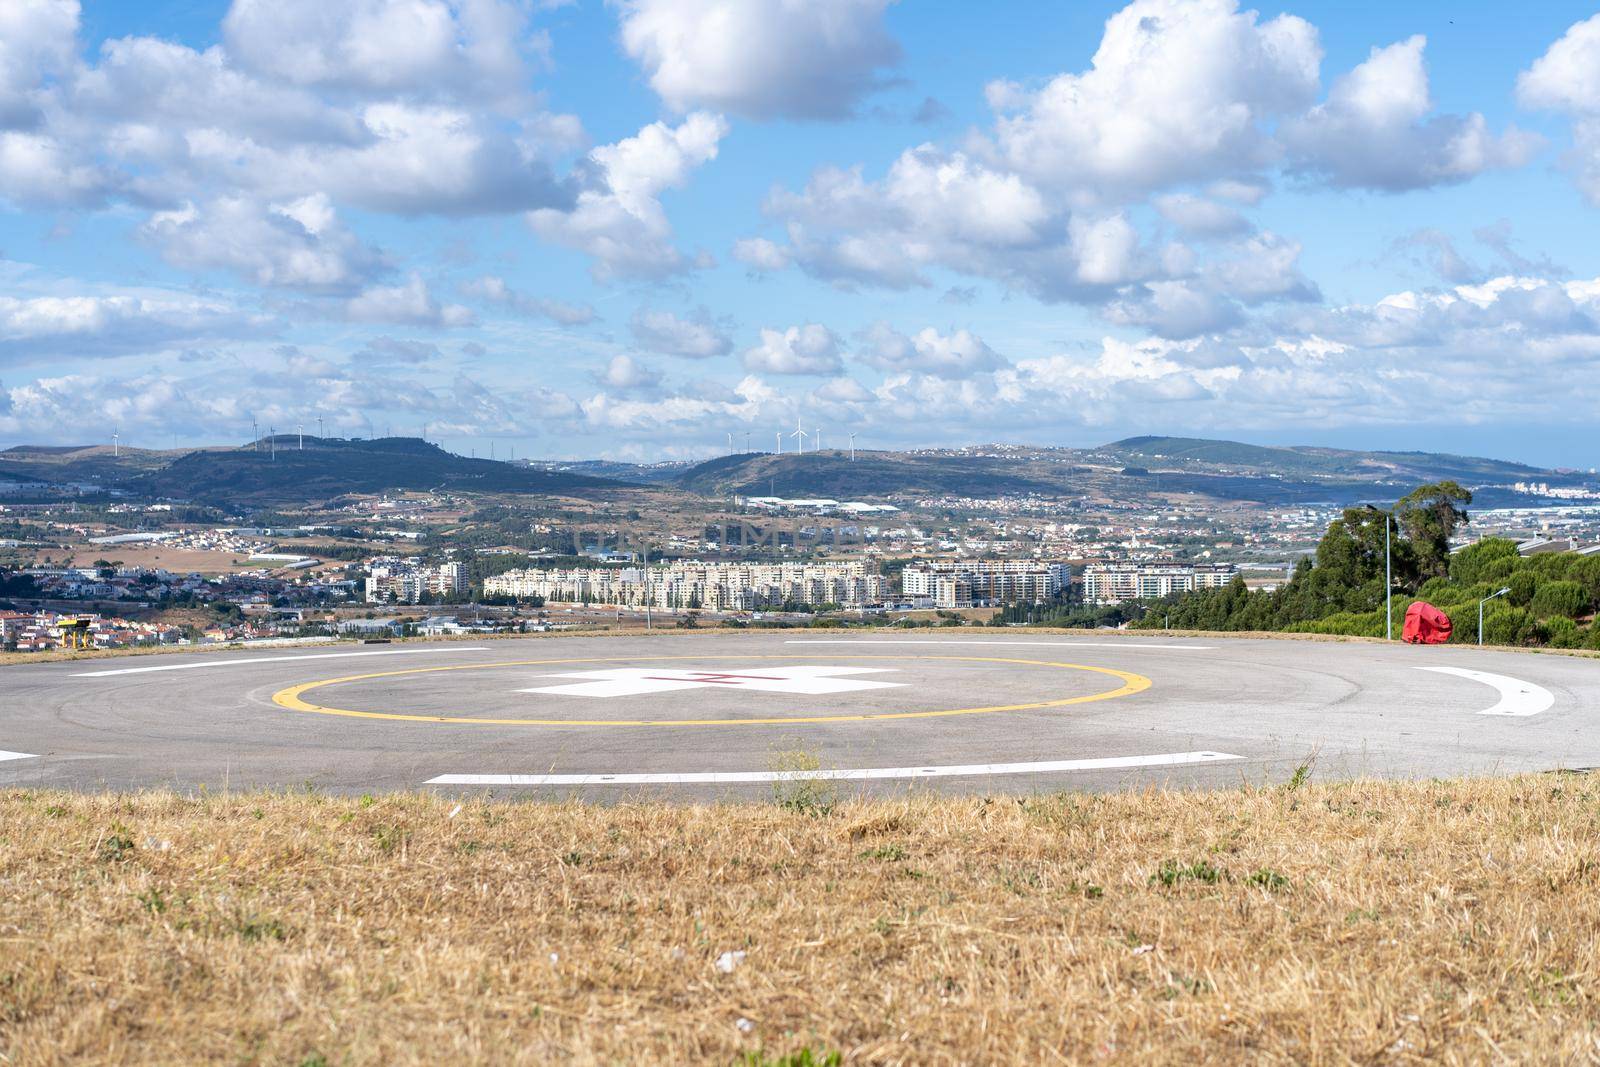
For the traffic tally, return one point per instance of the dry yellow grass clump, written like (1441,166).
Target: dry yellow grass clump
(1370,922)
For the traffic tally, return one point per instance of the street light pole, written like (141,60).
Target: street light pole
(1481,603)
(1388,585)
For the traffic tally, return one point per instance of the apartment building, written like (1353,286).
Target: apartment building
(696,585)
(396,582)
(1112,583)
(965,583)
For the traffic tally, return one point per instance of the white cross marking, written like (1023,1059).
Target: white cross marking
(635,681)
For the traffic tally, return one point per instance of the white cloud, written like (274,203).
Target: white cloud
(95,325)
(624,373)
(1373,131)
(300,244)
(469,48)
(1178,91)
(761,254)
(1567,79)
(807,59)
(409,304)
(958,354)
(810,349)
(1201,217)
(37,39)
(694,338)
(494,290)
(156,122)
(619,221)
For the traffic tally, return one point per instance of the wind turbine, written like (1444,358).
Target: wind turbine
(320,434)
(255,433)
(747,442)
(779,451)
(116,443)
(852,448)
(272,442)
(816,441)
(300,431)
(800,437)
(730,442)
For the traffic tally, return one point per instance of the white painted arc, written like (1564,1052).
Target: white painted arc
(276,659)
(4,755)
(1168,759)
(1125,645)
(1517,697)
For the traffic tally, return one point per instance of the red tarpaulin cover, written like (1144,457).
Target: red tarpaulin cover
(1426,625)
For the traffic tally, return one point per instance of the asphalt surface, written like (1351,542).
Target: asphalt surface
(710,715)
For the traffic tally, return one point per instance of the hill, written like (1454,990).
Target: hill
(329,467)
(1135,470)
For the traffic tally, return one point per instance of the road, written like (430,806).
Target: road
(711,715)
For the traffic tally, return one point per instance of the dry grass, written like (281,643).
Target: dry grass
(1368,922)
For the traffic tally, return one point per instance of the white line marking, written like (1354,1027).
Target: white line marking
(1516,696)
(1168,759)
(276,659)
(4,755)
(981,641)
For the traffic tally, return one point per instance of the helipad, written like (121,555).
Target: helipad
(708,714)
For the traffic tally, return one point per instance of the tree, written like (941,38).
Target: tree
(1429,516)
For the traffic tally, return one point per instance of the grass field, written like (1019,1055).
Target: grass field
(1368,922)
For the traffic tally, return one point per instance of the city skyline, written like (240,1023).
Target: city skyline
(631,229)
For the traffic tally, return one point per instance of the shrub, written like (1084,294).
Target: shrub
(1564,598)
(1524,586)
(1562,632)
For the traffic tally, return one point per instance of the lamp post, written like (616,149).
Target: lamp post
(1481,603)
(1388,578)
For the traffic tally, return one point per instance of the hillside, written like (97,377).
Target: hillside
(328,467)
(1136,469)
(1306,461)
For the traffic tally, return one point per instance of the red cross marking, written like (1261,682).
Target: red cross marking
(711,677)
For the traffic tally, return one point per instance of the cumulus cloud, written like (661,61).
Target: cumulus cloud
(1567,79)
(37,39)
(624,373)
(407,304)
(958,354)
(761,254)
(299,244)
(413,107)
(810,349)
(1373,131)
(619,220)
(692,338)
(494,290)
(467,48)
(92,326)
(1178,91)
(764,59)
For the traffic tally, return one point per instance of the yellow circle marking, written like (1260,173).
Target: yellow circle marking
(291,697)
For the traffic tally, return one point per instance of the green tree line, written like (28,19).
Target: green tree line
(1551,601)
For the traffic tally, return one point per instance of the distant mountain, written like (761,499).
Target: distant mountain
(1305,460)
(329,467)
(1135,470)
(632,473)
(101,464)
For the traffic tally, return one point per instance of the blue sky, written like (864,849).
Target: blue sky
(633,228)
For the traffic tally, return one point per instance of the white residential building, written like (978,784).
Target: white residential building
(1114,583)
(963,583)
(694,585)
